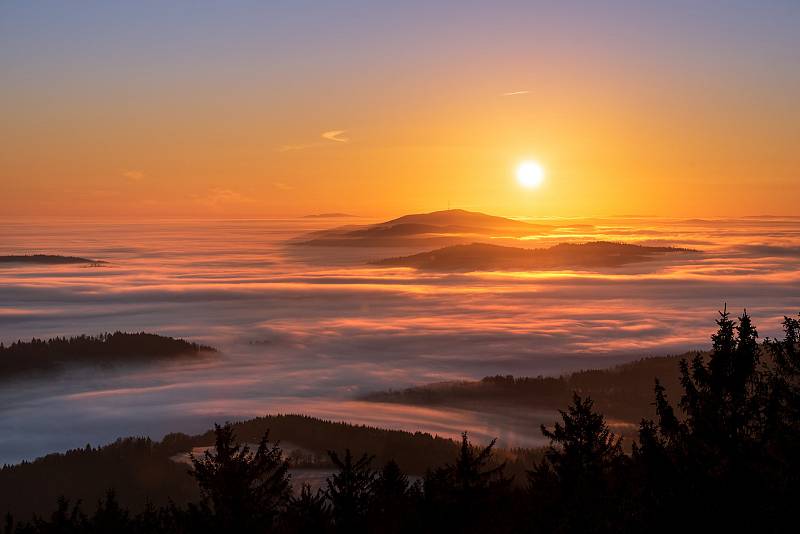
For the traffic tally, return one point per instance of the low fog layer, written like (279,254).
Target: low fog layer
(308,330)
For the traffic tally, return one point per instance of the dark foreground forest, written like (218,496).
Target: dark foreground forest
(719,455)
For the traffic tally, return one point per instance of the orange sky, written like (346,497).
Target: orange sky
(685,114)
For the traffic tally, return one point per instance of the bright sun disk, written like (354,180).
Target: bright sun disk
(530,174)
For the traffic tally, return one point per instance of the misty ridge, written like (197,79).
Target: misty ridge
(23,359)
(423,229)
(483,256)
(48,259)
(623,392)
(467,242)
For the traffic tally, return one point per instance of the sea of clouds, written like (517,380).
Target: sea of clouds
(307,330)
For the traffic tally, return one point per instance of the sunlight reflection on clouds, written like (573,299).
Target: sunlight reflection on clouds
(307,330)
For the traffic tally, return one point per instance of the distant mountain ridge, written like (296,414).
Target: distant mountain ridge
(437,228)
(483,256)
(460,217)
(48,259)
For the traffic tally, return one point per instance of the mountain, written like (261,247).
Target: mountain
(48,259)
(482,256)
(438,228)
(463,218)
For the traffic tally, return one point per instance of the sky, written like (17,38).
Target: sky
(283,108)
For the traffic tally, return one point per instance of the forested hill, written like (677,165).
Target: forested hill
(48,259)
(40,356)
(140,469)
(571,256)
(721,459)
(622,392)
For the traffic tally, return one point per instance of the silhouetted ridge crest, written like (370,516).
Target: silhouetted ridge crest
(485,256)
(422,229)
(48,259)
(38,355)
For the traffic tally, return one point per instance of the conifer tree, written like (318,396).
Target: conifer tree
(110,517)
(463,493)
(583,473)
(350,491)
(307,513)
(710,461)
(244,490)
(394,500)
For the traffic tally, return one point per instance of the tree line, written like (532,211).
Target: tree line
(723,457)
(140,468)
(623,392)
(39,355)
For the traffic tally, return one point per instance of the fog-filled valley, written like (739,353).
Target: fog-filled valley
(312,329)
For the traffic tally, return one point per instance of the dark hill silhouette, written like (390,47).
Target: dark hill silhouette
(482,256)
(138,468)
(37,356)
(623,392)
(405,230)
(626,391)
(458,217)
(141,469)
(423,229)
(720,455)
(48,259)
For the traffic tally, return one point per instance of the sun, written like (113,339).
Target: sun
(530,174)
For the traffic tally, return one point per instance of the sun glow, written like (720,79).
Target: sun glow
(530,174)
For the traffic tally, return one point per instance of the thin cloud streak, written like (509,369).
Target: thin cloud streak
(336,135)
(332,135)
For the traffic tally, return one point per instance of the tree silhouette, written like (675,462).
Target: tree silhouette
(394,500)
(782,419)
(784,378)
(716,460)
(719,398)
(724,458)
(350,491)
(460,495)
(245,490)
(110,517)
(582,474)
(65,520)
(307,513)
